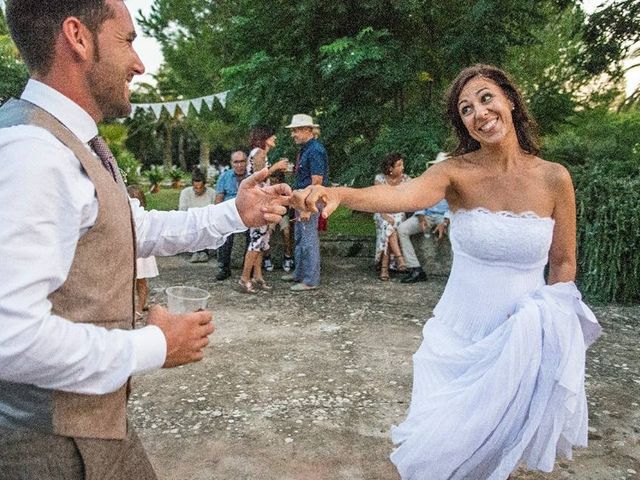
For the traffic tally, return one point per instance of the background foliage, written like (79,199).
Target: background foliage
(374,74)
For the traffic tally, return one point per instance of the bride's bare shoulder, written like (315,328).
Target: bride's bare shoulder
(555,174)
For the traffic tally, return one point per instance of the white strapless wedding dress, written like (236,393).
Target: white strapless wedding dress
(499,376)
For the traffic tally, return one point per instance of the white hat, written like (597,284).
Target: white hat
(441,157)
(302,120)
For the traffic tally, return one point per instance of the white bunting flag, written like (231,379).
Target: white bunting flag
(222,98)
(183,105)
(156,108)
(171,107)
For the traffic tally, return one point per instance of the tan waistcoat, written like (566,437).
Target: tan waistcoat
(98,290)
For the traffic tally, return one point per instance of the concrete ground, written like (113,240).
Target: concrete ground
(306,385)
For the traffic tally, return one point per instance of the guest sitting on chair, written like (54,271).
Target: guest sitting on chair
(387,223)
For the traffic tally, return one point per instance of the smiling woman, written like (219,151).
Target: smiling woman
(502,336)
(478,83)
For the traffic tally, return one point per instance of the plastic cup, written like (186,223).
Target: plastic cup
(186,299)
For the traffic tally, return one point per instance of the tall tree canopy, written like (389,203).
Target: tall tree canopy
(372,71)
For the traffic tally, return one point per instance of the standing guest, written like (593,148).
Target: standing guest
(262,140)
(312,168)
(284,227)
(196,196)
(387,245)
(145,267)
(68,251)
(227,189)
(499,376)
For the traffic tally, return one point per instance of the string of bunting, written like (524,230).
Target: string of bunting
(183,105)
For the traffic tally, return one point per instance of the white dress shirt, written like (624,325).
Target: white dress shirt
(47,202)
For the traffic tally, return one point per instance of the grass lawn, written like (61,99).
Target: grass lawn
(165,199)
(342,222)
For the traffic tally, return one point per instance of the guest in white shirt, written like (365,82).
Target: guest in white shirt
(197,195)
(54,197)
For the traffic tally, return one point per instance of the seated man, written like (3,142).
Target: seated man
(197,195)
(433,219)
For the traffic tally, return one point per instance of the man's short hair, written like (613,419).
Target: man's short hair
(197,176)
(36,24)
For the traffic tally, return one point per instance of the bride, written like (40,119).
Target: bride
(499,377)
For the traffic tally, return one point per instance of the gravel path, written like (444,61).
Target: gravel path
(306,385)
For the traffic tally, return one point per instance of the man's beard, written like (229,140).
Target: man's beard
(108,92)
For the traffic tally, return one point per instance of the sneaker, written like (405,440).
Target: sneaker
(287,265)
(267,265)
(195,258)
(302,287)
(223,275)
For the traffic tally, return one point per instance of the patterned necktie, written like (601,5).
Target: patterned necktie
(108,160)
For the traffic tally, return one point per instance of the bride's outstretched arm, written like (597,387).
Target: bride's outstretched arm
(416,194)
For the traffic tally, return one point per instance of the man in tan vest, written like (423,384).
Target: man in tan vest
(69,237)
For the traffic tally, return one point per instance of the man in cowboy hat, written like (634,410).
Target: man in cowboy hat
(312,168)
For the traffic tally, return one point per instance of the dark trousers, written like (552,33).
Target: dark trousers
(224,252)
(26,455)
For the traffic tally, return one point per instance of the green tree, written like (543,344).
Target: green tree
(13,72)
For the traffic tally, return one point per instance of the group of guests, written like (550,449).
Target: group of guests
(394,248)
(311,168)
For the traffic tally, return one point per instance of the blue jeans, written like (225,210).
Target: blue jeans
(307,251)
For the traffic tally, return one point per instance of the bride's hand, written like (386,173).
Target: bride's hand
(306,201)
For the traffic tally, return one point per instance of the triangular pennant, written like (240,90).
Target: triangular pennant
(171,107)
(184,107)
(222,98)
(197,104)
(209,101)
(156,108)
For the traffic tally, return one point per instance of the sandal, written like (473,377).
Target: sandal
(261,284)
(402,266)
(247,287)
(384,274)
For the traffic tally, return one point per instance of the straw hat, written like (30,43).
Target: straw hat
(302,120)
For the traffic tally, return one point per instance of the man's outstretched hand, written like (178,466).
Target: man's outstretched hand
(306,201)
(258,205)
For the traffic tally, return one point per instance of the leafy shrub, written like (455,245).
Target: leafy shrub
(155,175)
(129,167)
(602,150)
(115,134)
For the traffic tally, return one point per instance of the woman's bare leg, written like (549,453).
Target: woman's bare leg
(384,267)
(249,263)
(257,266)
(143,293)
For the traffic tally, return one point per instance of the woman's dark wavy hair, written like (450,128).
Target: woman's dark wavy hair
(389,161)
(259,136)
(525,125)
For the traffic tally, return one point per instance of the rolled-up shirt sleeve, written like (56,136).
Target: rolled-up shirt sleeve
(47,200)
